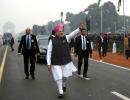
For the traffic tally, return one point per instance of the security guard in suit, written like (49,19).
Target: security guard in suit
(28,47)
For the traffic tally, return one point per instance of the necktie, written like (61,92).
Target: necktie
(28,42)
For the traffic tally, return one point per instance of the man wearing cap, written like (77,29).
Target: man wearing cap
(58,56)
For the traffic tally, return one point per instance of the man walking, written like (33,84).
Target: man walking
(83,49)
(58,57)
(105,45)
(100,46)
(28,47)
(12,43)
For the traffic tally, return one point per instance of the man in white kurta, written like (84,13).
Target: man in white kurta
(60,65)
(114,47)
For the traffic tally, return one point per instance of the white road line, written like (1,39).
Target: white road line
(111,64)
(120,95)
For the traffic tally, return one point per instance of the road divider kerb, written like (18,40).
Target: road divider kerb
(110,64)
(117,66)
(3,63)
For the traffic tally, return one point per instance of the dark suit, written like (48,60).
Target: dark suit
(50,37)
(28,54)
(12,43)
(82,54)
(100,45)
(105,46)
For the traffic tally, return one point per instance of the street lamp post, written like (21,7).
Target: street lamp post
(115,26)
(124,25)
(101,20)
(61,17)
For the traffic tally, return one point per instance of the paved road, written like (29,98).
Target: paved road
(104,80)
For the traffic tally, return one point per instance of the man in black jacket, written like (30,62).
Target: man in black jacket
(100,46)
(83,49)
(105,45)
(28,47)
(52,35)
(12,43)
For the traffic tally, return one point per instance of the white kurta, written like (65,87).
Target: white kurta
(92,45)
(114,48)
(60,71)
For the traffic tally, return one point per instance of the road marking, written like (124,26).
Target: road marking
(3,63)
(120,95)
(111,64)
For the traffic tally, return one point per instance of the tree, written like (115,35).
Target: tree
(35,29)
(94,17)
(43,30)
(50,26)
(109,17)
(92,14)
(75,19)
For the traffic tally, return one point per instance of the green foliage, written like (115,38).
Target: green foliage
(93,13)
(75,19)
(39,30)
(120,47)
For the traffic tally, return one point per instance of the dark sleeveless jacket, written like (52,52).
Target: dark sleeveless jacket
(60,52)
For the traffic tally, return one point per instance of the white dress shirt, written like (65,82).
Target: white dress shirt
(101,38)
(83,44)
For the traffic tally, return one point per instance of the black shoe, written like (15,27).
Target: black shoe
(86,77)
(78,73)
(60,96)
(64,89)
(27,77)
(33,77)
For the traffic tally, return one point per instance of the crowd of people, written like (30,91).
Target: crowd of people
(59,60)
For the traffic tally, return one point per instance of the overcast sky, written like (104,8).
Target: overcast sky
(25,13)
